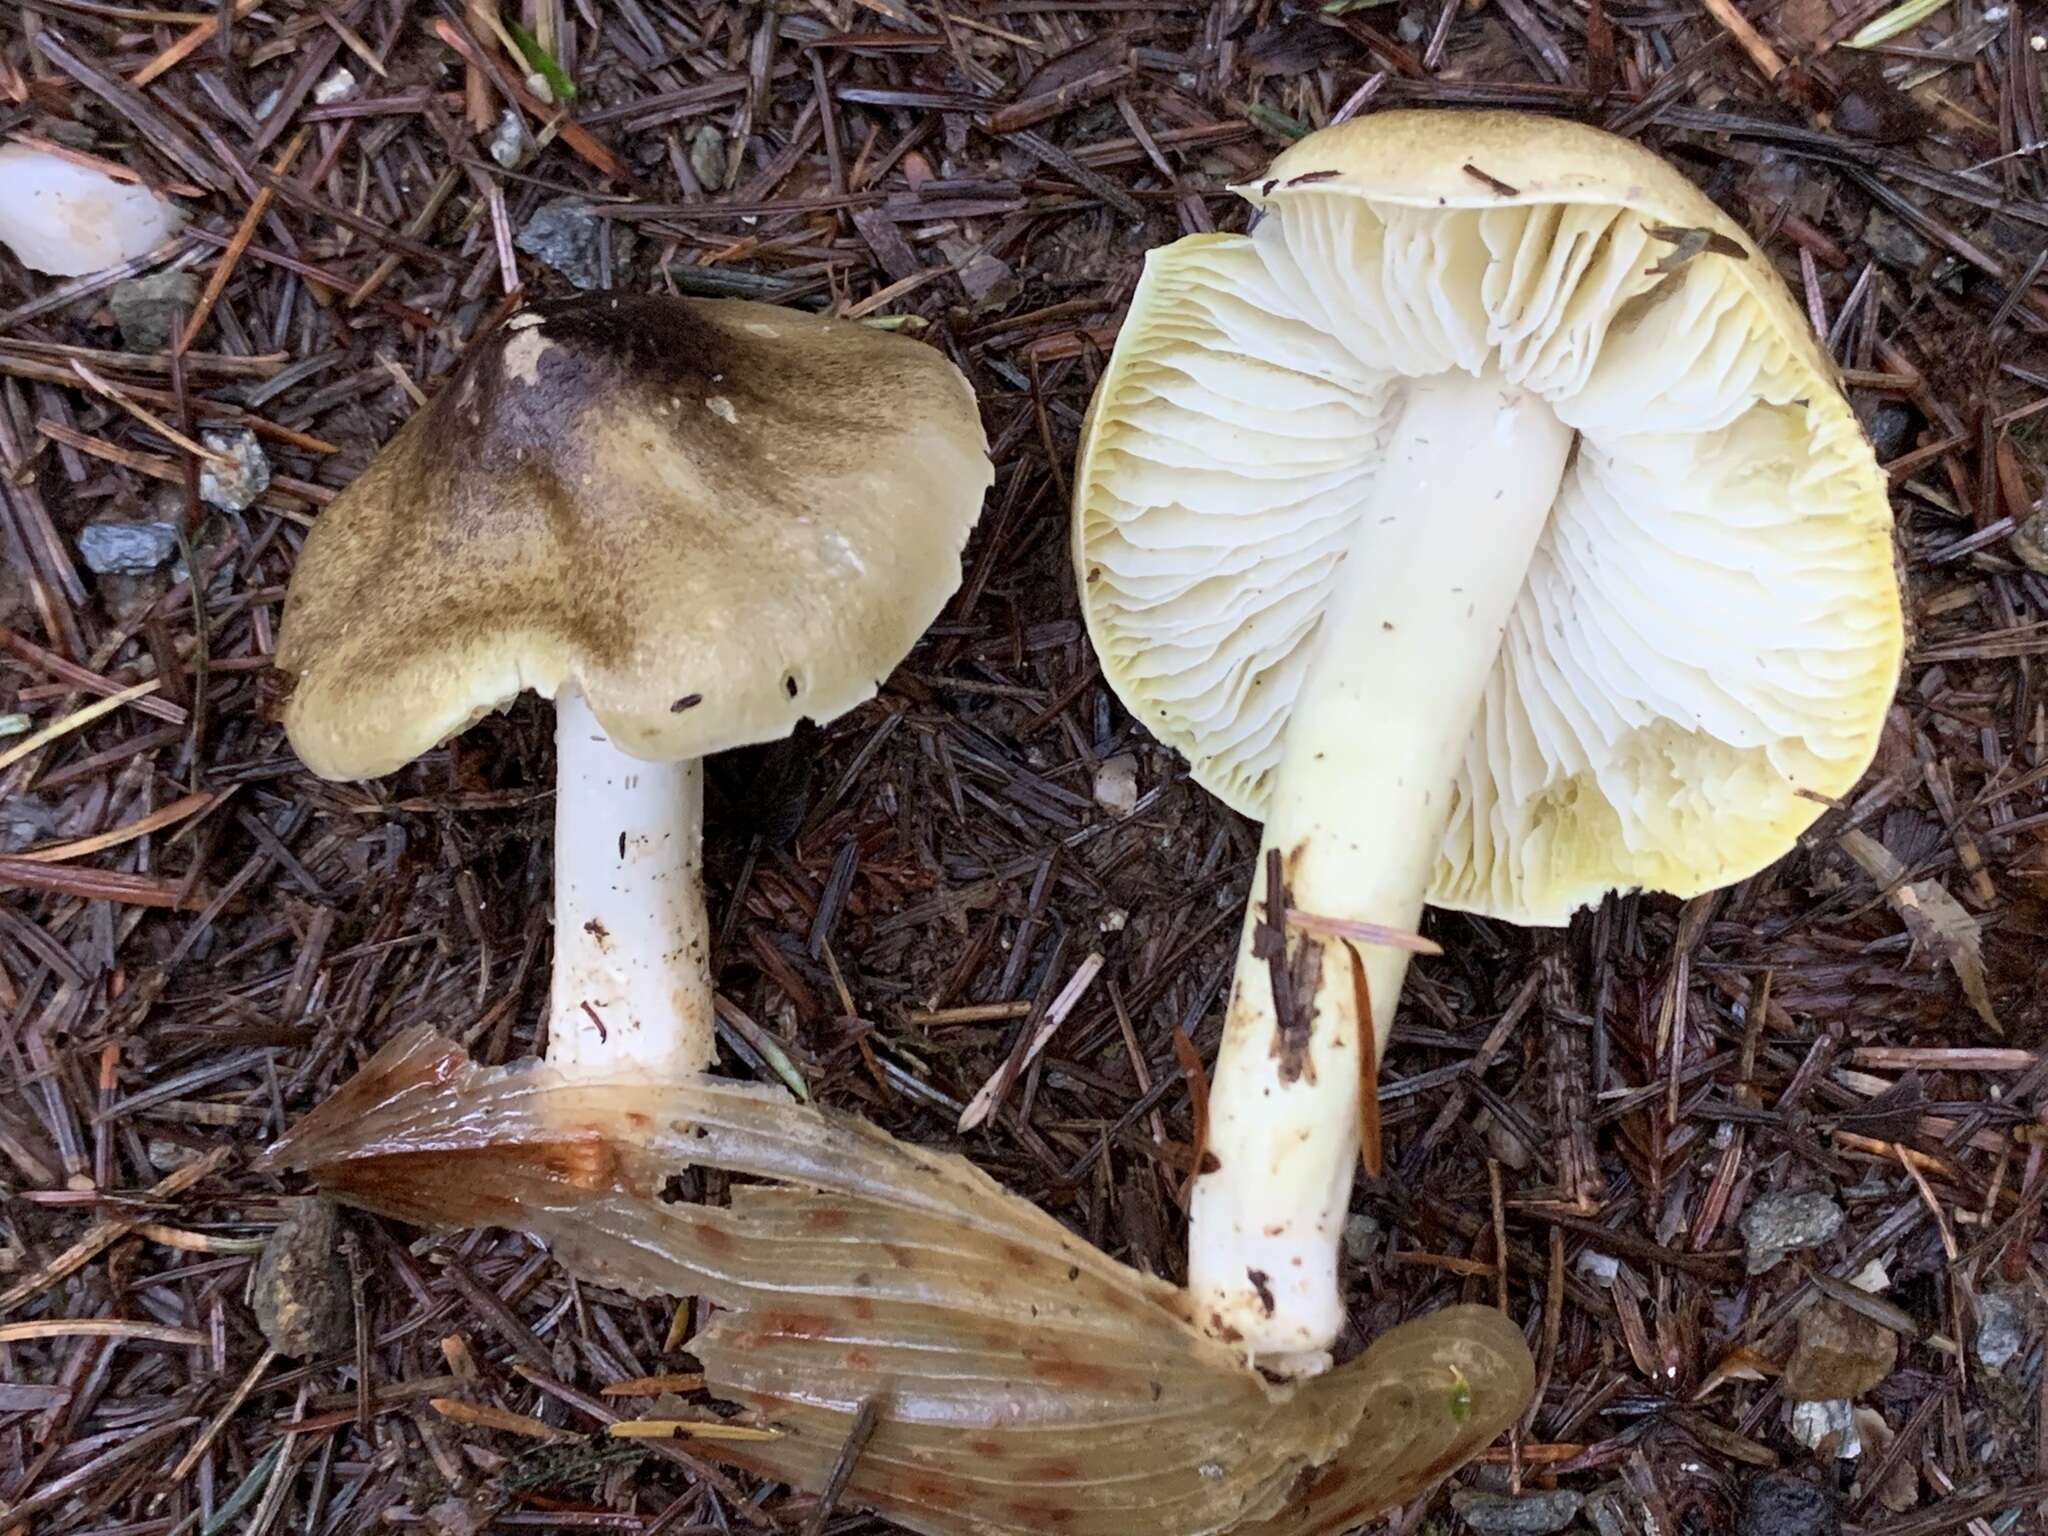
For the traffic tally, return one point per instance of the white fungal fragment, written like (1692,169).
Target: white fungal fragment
(66,218)
(335,87)
(1116,784)
(523,354)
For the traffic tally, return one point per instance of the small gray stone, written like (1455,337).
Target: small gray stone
(126,549)
(707,156)
(1891,427)
(1814,1423)
(1894,242)
(335,87)
(509,143)
(1116,784)
(1502,1514)
(567,234)
(1361,1236)
(301,1285)
(147,309)
(2001,1329)
(1780,1224)
(236,485)
(167,1155)
(1786,1504)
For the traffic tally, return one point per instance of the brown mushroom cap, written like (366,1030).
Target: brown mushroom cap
(714,518)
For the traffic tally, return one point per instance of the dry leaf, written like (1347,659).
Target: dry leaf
(1740,1364)
(1901,1490)
(1027,1382)
(1933,917)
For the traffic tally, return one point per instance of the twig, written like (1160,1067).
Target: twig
(865,1418)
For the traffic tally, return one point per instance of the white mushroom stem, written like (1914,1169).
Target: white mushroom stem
(1358,814)
(632,983)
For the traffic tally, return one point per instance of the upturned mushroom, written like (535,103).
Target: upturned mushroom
(691,525)
(1490,524)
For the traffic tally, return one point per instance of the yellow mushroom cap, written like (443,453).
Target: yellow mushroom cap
(1709,634)
(713,518)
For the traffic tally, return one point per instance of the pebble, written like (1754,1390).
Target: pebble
(236,485)
(1361,1236)
(1597,1266)
(1501,1142)
(707,156)
(1891,426)
(335,87)
(1786,1504)
(167,1155)
(1780,1224)
(148,309)
(509,143)
(126,549)
(300,1291)
(1872,1277)
(2001,1330)
(1840,1354)
(1502,1514)
(1892,242)
(567,234)
(1116,784)
(1813,1423)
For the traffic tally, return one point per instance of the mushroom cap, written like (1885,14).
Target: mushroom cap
(1709,633)
(713,518)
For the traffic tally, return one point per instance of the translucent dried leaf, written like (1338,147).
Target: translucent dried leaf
(1028,1382)
(1932,915)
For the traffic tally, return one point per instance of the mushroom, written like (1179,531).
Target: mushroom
(1489,523)
(691,525)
